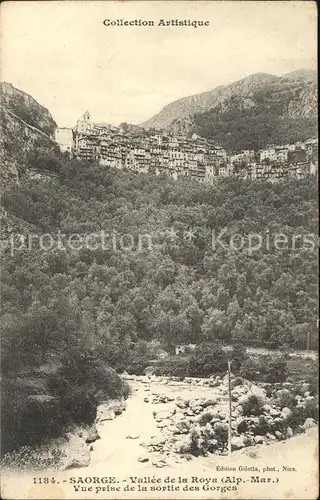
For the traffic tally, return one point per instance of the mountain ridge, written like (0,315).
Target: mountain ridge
(186,107)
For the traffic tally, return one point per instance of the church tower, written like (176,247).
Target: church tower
(84,124)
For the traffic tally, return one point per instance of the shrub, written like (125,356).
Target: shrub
(238,356)
(311,409)
(314,383)
(137,366)
(28,420)
(271,369)
(34,458)
(221,432)
(195,442)
(172,366)
(285,398)
(250,369)
(80,405)
(275,369)
(252,405)
(72,395)
(205,417)
(207,359)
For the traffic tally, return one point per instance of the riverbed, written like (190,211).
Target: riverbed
(121,453)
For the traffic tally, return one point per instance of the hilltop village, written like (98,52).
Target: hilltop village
(182,156)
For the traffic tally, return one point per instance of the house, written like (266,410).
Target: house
(268,154)
(184,348)
(64,137)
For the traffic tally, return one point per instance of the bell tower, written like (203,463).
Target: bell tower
(84,124)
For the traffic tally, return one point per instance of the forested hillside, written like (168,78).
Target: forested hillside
(167,287)
(73,314)
(253,128)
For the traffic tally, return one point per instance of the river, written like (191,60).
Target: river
(120,448)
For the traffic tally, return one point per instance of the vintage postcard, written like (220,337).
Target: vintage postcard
(159,250)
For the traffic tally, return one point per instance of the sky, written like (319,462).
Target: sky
(61,53)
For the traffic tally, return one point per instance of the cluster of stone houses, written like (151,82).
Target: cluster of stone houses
(181,156)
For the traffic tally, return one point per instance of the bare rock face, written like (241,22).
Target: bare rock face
(27,108)
(23,124)
(77,452)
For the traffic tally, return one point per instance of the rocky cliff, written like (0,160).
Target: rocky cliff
(24,125)
(27,108)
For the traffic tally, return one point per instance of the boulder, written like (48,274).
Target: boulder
(197,409)
(119,408)
(237,392)
(271,436)
(274,412)
(222,415)
(157,441)
(160,464)
(209,402)
(190,413)
(105,412)
(133,436)
(220,425)
(238,442)
(91,434)
(259,439)
(258,391)
(289,432)
(239,409)
(286,413)
(309,423)
(279,435)
(162,424)
(194,403)
(164,414)
(171,428)
(143,459)
(76,452)
(266,408)
(182,403)
(213,383)
(223,391)
(305,387)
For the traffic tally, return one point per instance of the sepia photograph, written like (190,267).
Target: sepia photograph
(159,250)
